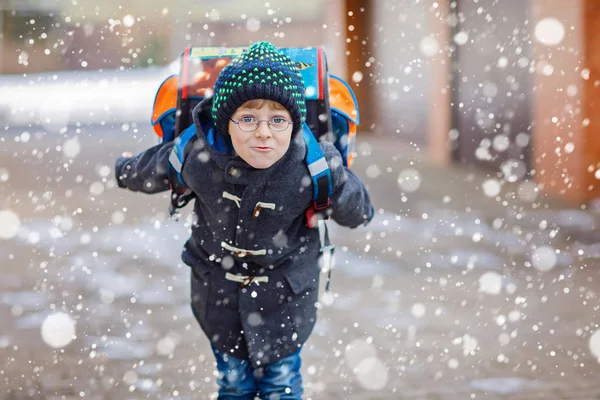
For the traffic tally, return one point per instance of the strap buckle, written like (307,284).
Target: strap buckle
(179,200)
(311,213)
(321,206)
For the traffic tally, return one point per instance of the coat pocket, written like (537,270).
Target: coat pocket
(199,281)
(303,279)
(304,286)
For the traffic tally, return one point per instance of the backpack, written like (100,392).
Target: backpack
(331,114)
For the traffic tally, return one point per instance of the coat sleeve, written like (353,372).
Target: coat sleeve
(147,171)
(350,202)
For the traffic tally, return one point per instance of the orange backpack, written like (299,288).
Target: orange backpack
(200,67)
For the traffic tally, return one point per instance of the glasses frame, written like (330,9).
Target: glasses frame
(268,121)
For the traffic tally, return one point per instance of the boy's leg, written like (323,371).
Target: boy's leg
(282,380)
(235,377)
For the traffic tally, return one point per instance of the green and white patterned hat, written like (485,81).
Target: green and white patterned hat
(261,72)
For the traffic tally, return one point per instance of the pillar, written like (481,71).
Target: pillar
(358,50)
(566,125)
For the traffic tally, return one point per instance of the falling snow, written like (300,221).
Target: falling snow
(478,275)
(58,330)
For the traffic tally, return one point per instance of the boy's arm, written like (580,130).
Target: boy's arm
(146,172)
(350,202)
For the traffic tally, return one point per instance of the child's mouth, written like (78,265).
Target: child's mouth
(262,149)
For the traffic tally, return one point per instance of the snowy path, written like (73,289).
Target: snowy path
(447,295)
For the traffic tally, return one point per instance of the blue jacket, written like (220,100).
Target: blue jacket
(251,222)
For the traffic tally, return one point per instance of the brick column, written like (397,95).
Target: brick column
(358,50)
(439,107)
(566,125)
(591,130)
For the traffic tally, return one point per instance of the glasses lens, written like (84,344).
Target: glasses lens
(248,124)
(278,124)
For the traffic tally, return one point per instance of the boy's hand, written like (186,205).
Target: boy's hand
(127,154)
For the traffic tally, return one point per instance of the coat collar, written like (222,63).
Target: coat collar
(243,173)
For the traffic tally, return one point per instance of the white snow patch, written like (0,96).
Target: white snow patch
(253,25)
(28,300)
(468,342)
(119,348)
(128,20)
(490,283)
(418,310)
(491,187)
(409,180)
(544,258)
(528,191)
(166,345)
(9,224)
(513,170)
(505,386)
(372,374)
(58,330)
(461,38)
(4,342)
(429,46)
(130,377)
(97,188)
(106,296)
(71,148)
(4,174)
(57,99)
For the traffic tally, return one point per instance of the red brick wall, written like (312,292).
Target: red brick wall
(592,97)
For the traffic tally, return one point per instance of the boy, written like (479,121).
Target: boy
(254,263)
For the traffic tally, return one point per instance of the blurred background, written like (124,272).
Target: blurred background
(477,142)
(501,84)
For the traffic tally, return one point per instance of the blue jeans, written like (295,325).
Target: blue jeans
(278,381)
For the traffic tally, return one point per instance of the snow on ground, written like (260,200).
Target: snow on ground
(57,99)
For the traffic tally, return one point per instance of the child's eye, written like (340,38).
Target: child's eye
(248,119)
(278,120)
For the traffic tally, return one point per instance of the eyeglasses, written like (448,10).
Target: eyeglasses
(250,124)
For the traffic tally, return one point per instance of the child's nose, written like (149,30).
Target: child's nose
(263,130)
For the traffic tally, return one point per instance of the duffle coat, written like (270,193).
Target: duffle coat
(251,222)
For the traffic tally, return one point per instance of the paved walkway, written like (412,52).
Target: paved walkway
(448,294)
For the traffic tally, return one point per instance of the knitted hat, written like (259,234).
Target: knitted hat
(261,72)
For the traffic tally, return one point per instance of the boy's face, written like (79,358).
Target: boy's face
(262,147)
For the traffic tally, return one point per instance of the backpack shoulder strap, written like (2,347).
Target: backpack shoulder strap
(181,194)
(319,173)
(322,187)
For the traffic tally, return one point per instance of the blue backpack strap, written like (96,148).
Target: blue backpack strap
(180,195)
(322,187)
(183,145)
(319,171)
